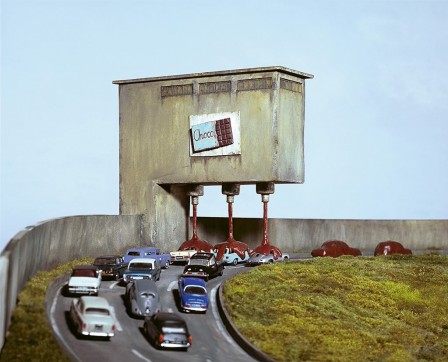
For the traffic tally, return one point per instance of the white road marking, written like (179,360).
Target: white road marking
(55,326)
(218,321)
(117,323)
(113,285)
(139,355)
(171,286)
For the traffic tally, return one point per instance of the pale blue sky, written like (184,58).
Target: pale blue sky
(376,126)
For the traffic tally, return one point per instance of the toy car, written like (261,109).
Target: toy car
(85,279)
(230,256)
(167,330)
(193,294)
(111,266)
(148,252)
(182,256)
(142,268)
(91,317)
(259,258)
(203,265)
(335,248)
(391,247)
(142,298)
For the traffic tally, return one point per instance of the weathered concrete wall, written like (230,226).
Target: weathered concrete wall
(4,262)
(266,110)
(304,235)
(60,240)
(56,241)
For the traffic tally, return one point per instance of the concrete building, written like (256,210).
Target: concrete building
(242,126)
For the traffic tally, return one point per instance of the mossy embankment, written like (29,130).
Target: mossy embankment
(392,308)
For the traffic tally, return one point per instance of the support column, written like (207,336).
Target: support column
(237,250)
(265,189)
(194,191)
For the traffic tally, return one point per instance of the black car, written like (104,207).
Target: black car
(111,265)
(167,330)
(203,265)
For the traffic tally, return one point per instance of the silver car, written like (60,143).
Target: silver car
(259,258)
(142,297)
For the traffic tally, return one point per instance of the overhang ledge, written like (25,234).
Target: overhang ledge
(279,69)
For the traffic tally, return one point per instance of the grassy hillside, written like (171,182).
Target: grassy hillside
(392,308)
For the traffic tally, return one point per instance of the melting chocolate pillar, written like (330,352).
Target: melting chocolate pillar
(230,190)
(195,243)
(265,189)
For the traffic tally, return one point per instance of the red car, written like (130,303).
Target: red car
(391,247)
(335,248)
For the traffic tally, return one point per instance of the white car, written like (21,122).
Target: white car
(91,316)
(85,279)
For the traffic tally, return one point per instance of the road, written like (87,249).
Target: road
(211,341)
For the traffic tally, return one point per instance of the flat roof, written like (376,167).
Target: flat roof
(219,73)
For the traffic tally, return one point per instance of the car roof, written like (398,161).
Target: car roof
(202,255)
(88,267)
(194,281)
(95,302)
(142,260)
(169,317)
(146,284)
(108,257)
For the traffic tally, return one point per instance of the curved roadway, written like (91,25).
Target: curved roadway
(211,341)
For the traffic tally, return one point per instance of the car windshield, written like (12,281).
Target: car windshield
(103,261)
(134,253)
(147,295)
(194,289)
(84,273)
(199,262)
(141,265)
(101,311)
(173,329)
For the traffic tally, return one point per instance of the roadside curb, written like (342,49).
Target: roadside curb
(236,335)
(51,290)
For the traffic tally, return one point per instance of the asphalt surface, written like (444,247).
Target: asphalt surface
(211,340)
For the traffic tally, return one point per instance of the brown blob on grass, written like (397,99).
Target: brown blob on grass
(335,248)
(391,247)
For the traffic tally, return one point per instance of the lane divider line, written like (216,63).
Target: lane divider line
(139,355)
(217,318)
(56,328)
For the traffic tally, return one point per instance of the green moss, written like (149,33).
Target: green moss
(365,309)
(30,337)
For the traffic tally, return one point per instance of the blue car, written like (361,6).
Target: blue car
(193,294)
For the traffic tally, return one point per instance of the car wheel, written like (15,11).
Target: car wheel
(270,261)
(167,264)
(117,276)
(235,261)
(286,259)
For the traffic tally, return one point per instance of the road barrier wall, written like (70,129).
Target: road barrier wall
(303,235)
(53,242)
